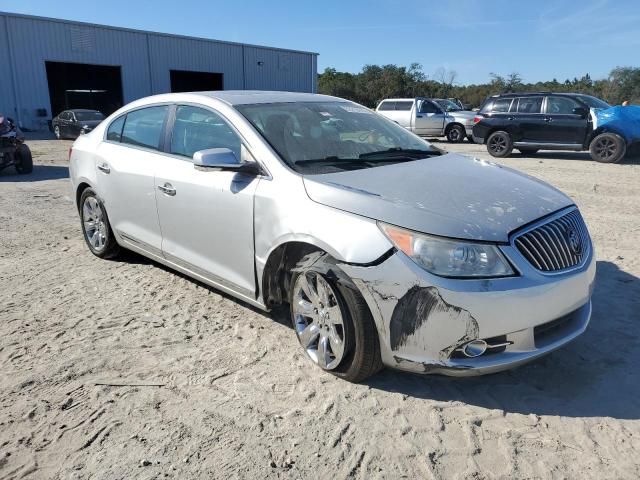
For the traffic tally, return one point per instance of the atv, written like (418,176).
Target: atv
(13,150)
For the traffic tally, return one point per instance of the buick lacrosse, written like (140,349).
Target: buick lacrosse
(387,250)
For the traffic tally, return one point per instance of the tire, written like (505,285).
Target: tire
(24,165)
(499,144)
(56,132)
(608,148)
(316,317)
(528,151)
(92,210)
(456,134)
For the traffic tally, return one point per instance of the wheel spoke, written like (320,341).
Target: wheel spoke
(323,295)
(94,238)
(89,225)
(308,290)
(336,343)
(309,335)
(304,308)
(324,358)
(335,315)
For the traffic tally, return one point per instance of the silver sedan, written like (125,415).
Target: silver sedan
(387,250)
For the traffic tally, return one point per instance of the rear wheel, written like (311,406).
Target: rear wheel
(95,226)
(499,144)
(24,159)
(331,319)
(456,134)
(608,148)
(528,151)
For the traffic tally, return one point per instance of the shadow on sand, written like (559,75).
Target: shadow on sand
(39,174)
(597,375)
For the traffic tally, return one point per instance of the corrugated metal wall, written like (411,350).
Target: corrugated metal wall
(145,59)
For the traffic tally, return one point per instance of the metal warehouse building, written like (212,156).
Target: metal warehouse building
(49,65)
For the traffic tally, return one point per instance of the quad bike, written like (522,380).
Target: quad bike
(13,150)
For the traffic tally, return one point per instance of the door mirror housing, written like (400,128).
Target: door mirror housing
(223,159)
(582,111)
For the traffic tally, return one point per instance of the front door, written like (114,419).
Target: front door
(126,165)
(206,216)
(565,126)
(429,119)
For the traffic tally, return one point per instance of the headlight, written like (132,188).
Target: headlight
(449,257)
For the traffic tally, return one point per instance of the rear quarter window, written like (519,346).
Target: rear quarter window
(387,106)
(114,133)
(500,105)
(406,105)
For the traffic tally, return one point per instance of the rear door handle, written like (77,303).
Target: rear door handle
(548,119)
(167,189)
(104,167)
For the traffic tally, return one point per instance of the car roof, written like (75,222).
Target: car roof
(528,94)
(244,97)
(80,110)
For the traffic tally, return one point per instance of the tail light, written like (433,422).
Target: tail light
(477,118)
(70,152)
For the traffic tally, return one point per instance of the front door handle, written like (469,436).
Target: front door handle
(167,189)
(104,167)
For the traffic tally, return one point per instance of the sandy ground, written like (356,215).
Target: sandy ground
(204,387)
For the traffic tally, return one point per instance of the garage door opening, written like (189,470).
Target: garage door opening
(186,81)
(81,85)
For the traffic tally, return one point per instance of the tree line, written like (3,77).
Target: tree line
(376,82)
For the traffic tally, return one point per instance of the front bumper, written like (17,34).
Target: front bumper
(423,320)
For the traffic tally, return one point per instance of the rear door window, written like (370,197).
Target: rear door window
(404,105)
(143,127)
(527,105)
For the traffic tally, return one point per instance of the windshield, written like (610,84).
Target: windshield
(88,116)
(594,102)
(448,105)
(319,137)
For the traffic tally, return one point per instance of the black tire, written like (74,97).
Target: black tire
(456,134)
(470,139)
(528,151)
(110,249)
(56,132)
(361,357)
(608,148)
(499,144)
(24,159)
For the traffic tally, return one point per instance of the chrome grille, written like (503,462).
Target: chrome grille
(559,244)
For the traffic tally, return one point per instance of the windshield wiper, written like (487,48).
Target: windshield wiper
(393,153)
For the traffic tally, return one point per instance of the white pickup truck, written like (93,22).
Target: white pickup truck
(429,117)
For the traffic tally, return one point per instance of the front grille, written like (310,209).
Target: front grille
(557,245)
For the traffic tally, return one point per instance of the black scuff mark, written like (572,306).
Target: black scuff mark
(429,367)
(413,310)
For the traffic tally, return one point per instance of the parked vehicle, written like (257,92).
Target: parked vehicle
(13,150)
(73,123)
(556,121)
(387,251)
(428,118)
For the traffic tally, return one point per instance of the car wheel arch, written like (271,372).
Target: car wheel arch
(82,186)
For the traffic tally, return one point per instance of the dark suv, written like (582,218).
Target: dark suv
(546,121)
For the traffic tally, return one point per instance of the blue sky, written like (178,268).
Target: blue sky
(540,40)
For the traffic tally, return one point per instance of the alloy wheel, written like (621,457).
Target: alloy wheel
(95,228)
(318,320)
(606,148)
(498,144)
(56,131)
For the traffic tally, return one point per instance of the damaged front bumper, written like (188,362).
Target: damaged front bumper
(424,320)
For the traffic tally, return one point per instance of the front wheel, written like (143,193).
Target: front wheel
(95,226)
(608,148)
(456,134)
(499,144)
(332,321)
(56,132)
(24,165)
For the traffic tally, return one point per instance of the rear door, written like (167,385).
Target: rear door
(429,118)
(530,123)
(126,164)
(206,215)
(563,125)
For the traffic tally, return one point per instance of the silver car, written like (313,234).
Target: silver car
(387,250)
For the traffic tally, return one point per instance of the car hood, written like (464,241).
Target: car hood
(450,195)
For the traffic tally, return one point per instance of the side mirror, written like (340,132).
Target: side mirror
(582,111)
(223,159)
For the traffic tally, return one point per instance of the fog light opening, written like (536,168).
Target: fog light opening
(475,348)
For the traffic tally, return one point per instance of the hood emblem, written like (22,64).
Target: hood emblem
(575,242)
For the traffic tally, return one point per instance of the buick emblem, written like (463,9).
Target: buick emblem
(575,243)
